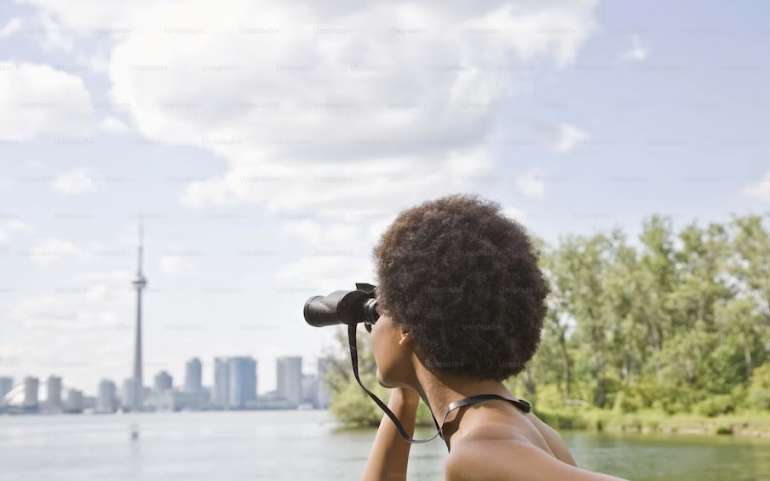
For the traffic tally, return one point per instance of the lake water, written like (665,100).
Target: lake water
(305,445)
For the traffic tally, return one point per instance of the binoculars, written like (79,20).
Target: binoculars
(350,308)
(343,307)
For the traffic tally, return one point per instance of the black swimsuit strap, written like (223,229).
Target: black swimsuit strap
(519,403)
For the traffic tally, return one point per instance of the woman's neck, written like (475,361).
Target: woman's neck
(438,393)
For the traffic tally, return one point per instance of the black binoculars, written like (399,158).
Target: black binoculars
(343,307)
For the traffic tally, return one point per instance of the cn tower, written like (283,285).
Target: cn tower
(140,282)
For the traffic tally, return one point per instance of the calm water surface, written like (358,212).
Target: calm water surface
(305,445)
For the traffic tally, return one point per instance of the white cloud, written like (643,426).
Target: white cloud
(96,293)
(93,301)
(515,214)
(567,137)
(531,184)
(377,228)
(174,264)
(39,100)
(333,117)
(320,272)
(113,125)
(74,182)
(637,52)
(338,239)
(52,250)
(13,26)
(328,235)
(11,354)
(759,189)
(12,227)
(83,18)
(94,63)
(55,35)
(291,95)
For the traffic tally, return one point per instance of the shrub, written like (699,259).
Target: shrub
(759,389)
(715,405)
(626,402)
(563,419)
(354,407)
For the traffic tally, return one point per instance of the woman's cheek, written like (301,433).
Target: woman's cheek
(375,343)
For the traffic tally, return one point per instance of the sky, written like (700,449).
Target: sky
(266,145)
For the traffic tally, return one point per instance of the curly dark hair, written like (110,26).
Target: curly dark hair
(465,279)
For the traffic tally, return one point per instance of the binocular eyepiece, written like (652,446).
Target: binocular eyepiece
(343,307)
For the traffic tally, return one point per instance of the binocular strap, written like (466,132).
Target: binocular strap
(519,403)
(382,405)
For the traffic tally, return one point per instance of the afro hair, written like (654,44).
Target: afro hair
(465,280)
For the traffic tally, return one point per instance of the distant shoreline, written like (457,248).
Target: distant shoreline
(744,425)
(90,412)
(748,424)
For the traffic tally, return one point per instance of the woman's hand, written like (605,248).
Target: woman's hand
(405,396)
(390,452)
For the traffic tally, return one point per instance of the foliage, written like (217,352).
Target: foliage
(759,390)
(675,322)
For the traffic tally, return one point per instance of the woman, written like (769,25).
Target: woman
(461,301)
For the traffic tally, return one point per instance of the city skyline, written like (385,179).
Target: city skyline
(295,388)
(177,372)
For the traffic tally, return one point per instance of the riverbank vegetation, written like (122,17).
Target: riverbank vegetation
(669,331)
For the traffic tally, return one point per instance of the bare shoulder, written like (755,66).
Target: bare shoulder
(530,430)
(479,458)
(556,444)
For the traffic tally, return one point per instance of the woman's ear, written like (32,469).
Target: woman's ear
(406,336)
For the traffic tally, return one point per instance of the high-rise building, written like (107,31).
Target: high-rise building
(243,382)
(6,384)
(128,393)
(289,378)
(74,402)
(139,283)
(53,393)
(221,395)
(163,382)
(107,400)
(310,389)
(324,391)
(31,386)
(193,376)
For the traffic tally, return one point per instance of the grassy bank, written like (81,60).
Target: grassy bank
(750,424)
(353,409)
